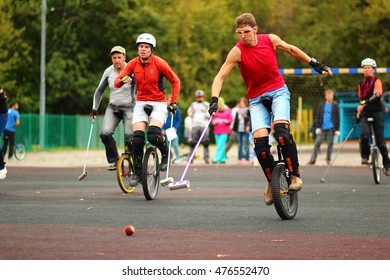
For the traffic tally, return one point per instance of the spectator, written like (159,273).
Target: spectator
(326,125)
(188,129)
(198,111)
(10,130)
(233,136)
(242,128)
(3,122)
(221,121)
(176,127)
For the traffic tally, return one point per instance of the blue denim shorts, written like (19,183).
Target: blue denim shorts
(261,118)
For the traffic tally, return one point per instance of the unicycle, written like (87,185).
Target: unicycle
(20,151)
(285,200)
(150,178)
(124,171)
(375,164)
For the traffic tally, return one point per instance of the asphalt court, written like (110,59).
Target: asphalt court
(48,214)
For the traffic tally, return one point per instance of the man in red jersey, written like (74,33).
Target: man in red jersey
(149,71)
(255,54)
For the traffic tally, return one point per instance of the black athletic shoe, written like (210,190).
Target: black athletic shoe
(364,161)
(164,163)
(135,179)
(111,166)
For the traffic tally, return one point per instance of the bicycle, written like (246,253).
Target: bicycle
(150,178)
(20,151)
(375,163)
(285,200)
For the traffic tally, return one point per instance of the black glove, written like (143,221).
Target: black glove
(93,113)
(374,97)
(357,120)
(319,67)
(213,107)
(172,108)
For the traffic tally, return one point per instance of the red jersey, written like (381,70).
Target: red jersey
(149,79)
(259,67)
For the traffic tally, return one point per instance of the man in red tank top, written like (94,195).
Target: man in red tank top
(256,57)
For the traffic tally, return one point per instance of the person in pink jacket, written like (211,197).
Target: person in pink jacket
(221,122)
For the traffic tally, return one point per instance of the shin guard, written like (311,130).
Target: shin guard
(138,143)
(288,146)
(264,156)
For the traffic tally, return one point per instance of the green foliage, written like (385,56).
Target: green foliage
(193,36)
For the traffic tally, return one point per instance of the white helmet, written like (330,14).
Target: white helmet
(199,92)
(369,62)
(146,38)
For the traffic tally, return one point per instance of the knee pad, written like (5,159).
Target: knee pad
(138,141)
(283,135)
(155,136)
(106,138)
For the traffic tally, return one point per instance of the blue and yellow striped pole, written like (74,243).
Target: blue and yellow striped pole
(307,71)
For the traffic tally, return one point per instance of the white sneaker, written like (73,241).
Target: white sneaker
(3,173)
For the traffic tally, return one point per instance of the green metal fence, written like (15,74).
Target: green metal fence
(63,131)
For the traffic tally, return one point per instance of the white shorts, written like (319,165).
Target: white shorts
(160,112)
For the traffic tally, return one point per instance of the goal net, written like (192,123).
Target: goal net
(307,90)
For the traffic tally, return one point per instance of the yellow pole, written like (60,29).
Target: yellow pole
(299,120)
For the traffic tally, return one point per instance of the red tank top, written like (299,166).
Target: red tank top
(259,67)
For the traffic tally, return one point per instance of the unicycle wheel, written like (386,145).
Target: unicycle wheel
(20,151)
(150,173)
(376,166)
(124,170)
(285,201)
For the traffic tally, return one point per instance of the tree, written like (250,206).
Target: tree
(14,58)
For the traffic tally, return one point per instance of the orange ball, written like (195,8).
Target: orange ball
(129,230)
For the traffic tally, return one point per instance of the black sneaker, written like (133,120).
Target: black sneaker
(111,166)
(386,171)
(164,163)
(135,179)
(364,160)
